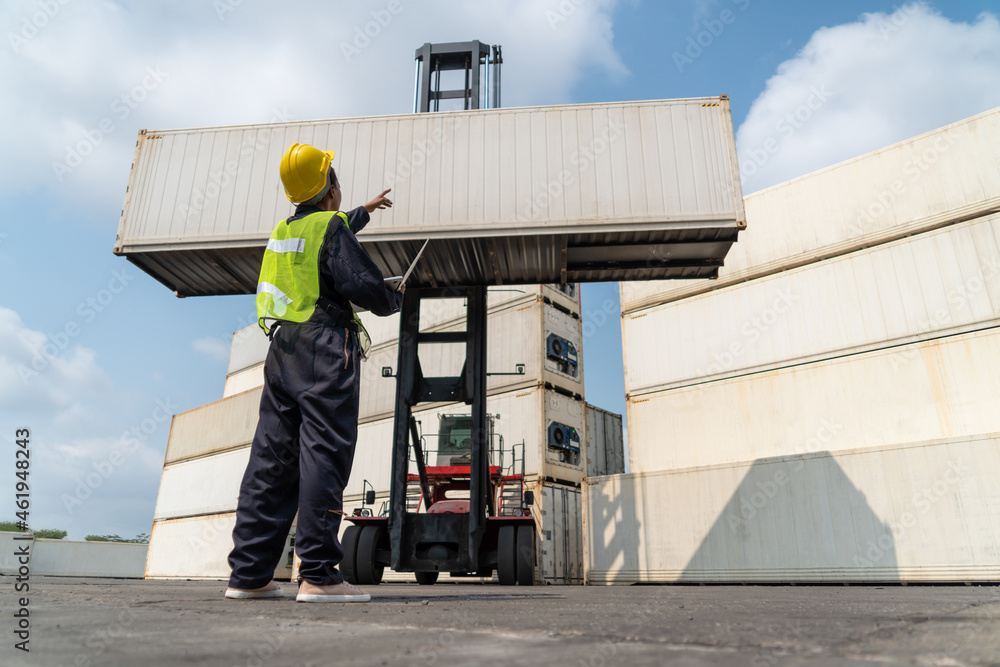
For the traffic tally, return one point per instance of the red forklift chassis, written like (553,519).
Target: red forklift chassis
(465,537)
(507,546)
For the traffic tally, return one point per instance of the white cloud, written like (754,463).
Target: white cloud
(56,389)
(94,74)
(858,87)
(39,370)
(212,347)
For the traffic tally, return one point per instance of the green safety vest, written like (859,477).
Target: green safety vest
(288,288)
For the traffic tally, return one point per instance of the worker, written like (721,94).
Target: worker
(314,268)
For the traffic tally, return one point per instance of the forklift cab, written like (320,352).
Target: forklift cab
(455,439)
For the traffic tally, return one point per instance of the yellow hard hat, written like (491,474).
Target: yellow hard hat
(304,172)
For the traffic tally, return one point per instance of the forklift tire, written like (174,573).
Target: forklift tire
(526,555)
(350,545)
(426,578)
(506,556)
(368,572)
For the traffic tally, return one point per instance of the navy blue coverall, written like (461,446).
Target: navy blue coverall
(303,448)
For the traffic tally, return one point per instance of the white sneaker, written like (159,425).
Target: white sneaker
(272,590)
(343,592)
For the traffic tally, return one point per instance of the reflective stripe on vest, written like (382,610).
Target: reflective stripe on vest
(287,245)
(289,274)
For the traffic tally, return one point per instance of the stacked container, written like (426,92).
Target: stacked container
(827,409)
(208,447)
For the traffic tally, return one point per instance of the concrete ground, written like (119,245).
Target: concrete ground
(125,622)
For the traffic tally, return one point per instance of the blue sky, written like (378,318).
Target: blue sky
(114,351)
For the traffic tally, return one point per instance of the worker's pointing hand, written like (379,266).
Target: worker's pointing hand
(379,202)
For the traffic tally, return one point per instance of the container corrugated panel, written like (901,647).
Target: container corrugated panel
(921,287)
(516,335)
(215,427)
(193,548)
(604,442)
(508,196)
(559,534)
(916,512)
(244,380)
(249,348)
(935,179)
(938,389)
(206,485)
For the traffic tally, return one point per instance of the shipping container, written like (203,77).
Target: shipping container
(436,314)
(542,338)
(937,389)
(917,512)
(559,534)
(244,380)
(542,427)
(249,344)
(248,349)
(191,548)
(205,485)
(198,548)
(933,180)
(553,194)
(922,287)
(216,427)
(603,444)
(210,483)
(545,341)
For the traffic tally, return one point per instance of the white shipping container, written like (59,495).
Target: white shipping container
(941,177)
(191,548)
(945,281)
(604,446)
(526,416)
(937,389)
(917,512)
(249,347)
(210,484)
(244,380)
(539,186)
(225,424)
(437,314)
(559,534)
(205,485)
(517,334)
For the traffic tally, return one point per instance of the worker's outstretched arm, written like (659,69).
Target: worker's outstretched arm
(355,275)
(359,217)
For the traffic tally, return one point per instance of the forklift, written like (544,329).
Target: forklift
(425,529)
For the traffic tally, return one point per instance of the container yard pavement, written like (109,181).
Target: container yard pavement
(127,622)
